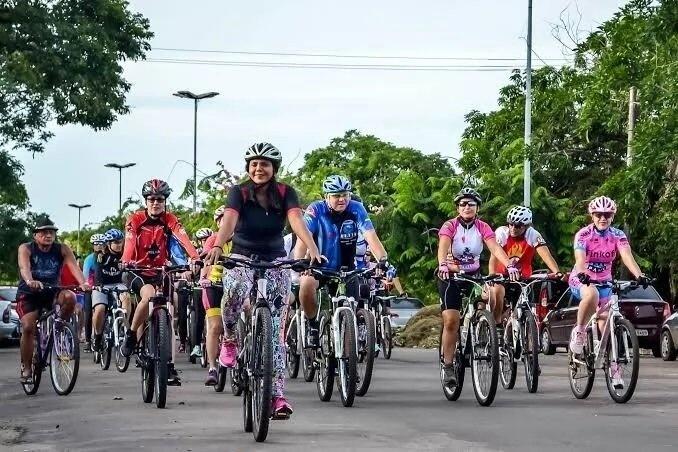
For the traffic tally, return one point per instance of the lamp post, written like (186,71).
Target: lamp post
(79,207)
(528,110)
(119,168)
(195,98)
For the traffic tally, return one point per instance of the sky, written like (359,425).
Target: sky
(296,109)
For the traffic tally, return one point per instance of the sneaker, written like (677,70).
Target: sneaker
(98,342)
(197,351)
(130,344)
(211,378)
(449,376)
(311,335)
(182,348)
(172,376)
(281,408)
(615,375)
(229,352)
(577,341)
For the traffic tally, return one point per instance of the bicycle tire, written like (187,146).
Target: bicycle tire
(579,391)
(508,368)
(366,355)
(291,339)
(36,367)
(625,396)
(531,352)
(105,361)
(347,379)
(327,368)
(162,356)
(64,341)
(453,393)
(222,376)
(147,366)
(237,373)
(121,361)
(190,337)
(387,344)
(262,373)
(483,319)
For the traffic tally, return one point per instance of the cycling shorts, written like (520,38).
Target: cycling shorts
(604,294)
(35,301)
(452,292)
(211,300)
(136,281)
(102,298)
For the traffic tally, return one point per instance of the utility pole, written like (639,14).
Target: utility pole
(630,128)
(528,109)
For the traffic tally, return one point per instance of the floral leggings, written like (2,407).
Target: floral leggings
(237,287)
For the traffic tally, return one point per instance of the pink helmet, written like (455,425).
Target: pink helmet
(602,204)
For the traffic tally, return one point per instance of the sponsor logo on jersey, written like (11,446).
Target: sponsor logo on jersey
(602,254)
(348,232)
(596,267)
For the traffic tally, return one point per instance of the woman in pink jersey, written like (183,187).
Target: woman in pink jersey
(463,238)
(595,249)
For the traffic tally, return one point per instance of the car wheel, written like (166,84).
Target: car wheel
(546,346)
(668,349)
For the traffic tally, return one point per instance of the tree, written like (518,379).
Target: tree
(60,60)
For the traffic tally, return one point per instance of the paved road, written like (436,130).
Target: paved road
(405,410)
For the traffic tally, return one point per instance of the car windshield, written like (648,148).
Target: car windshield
(407,303)
(639,293)
(8,294)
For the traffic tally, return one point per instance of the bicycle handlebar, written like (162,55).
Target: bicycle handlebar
(298,265)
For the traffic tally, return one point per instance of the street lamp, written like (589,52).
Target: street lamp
(79,207)
(196,98)
(119,168)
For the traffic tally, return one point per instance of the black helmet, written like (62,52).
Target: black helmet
(44,224)
(156,187)
(468,192)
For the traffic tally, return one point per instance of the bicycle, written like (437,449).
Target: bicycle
(252,374)
(339,348)
(521,338)
(154,350)
(602,353)
(57,346)
(114,330)
(478,350)
(298,353)
(382,321)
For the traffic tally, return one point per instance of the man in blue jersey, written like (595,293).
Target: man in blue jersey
(335,223)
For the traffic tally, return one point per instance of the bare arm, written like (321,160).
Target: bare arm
(630,261)
(25,263)
(299,227)
(492,265)
(300,250)
(375,244)
(548,259)
(497,251)
(580,261)
(228,223)
(444,244)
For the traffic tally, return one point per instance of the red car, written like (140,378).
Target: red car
(643,307)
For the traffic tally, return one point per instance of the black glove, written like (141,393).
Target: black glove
(383,264)
(643,281)
(584,278)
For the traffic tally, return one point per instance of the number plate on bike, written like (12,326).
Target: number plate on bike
(641,333)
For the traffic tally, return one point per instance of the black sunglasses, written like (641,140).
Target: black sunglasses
(606,215)
(152,199)
(467,203)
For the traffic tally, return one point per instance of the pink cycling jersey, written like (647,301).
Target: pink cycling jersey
(601,251)
(467,241)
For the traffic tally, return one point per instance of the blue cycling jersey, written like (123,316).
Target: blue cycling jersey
(89,267)
(336,233)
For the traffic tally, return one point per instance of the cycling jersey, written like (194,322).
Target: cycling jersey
(336,233)
(519,248)
(147,239)
(108,270)
(89,267)
(259,230)
(601,251)
(467,242)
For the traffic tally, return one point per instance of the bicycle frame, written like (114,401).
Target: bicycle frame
(377,307)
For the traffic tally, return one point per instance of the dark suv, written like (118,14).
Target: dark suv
(643,307)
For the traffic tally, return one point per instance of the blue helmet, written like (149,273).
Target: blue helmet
(336,184)
(113,235)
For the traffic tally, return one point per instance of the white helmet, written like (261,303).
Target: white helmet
(264,151)
(203,233)
(97,239)
(602,204)
(219,212)
(519,214)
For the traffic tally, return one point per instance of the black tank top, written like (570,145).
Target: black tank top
(45,266)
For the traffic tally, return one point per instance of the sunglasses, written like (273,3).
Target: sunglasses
(467,203)
(517,225)
(606,215)
(158,200)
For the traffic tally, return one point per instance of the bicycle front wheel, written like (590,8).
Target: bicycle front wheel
(387,338)
(163,354)
(121,361)
(348,371)
(622,385)
(65,357)
(530,342)
(327,361)
(366,350)
(291,340)
(107,344)
(484,357)
(261,383)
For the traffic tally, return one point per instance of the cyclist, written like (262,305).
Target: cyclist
(201,235)
(213,291)
(40,263)
(88,269)
(147,242)
(463,237)
(595,249)
(520,241)
(255,216)
(335,223)
(108,275)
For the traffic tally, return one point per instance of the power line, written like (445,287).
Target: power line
(335,55)
(378,67)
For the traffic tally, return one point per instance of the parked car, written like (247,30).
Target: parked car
(402,309)
(644,307)
(669,337)
(9,319)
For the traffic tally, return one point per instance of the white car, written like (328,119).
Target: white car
(9,319)
(402,309)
